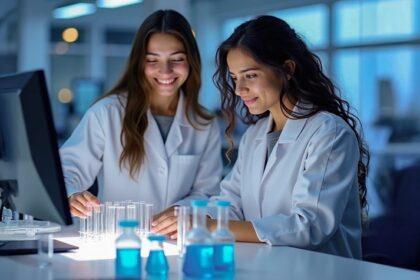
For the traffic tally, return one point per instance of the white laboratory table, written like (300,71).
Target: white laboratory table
(253,261)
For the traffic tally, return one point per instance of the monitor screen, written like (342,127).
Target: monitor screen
(30,165)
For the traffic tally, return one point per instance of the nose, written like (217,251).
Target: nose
(240,87)
(165,68)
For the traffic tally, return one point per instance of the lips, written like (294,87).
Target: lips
(249,101)
(165,82)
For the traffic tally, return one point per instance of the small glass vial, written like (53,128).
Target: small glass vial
(184,224)
(128,257)
(224,241)
(198,260)
(157,264)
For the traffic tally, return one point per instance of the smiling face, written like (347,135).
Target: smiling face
(166,65)
(255,83)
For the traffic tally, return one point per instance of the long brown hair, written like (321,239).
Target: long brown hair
(272,41)
(133,84)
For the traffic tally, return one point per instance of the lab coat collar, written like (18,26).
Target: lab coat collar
(290,133)
(174,138)
(180,116)
(292,128)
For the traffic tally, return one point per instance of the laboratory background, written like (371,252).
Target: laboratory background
(370,48)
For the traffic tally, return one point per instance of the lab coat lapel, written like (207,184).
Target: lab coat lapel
(258,162)
(174,139)
(175,136)
(153,137)
(290,133)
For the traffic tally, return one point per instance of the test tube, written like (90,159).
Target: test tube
(96,222)
(102,217)
(141,210)
(89,221)
(110,220)
(45,250)
(83,223)
(148,218)
(184,225)
(119,216)
(131,212)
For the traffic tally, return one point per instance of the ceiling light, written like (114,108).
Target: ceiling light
(116,3)
(74,10)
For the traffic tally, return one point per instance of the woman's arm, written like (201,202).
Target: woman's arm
(81,155)
(81,160)
(242,230)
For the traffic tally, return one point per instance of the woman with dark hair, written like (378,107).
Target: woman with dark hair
(300,176)
(148,138)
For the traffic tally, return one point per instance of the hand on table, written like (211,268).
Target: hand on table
(79,203)
(165,223)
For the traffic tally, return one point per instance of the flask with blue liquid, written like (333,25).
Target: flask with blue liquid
(157,264)
(128,257)
(198,259)
(223,242)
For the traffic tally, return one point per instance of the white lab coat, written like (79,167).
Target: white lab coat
(307,195)
(187,166)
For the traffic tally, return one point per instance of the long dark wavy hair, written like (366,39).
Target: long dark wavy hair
(271,41)
(133,84)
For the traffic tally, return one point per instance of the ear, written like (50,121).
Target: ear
(290,67)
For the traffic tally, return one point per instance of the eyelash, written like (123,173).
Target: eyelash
(248,76)
(172,60)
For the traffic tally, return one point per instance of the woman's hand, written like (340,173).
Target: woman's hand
(166,223)
(211,224)
(79,203)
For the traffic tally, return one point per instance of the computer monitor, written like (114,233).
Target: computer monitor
(30,167)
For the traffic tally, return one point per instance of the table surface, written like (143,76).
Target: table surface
(253,261)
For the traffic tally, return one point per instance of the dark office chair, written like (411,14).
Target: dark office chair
(395,238)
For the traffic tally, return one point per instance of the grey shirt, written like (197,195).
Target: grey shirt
(272,138)
(164,123)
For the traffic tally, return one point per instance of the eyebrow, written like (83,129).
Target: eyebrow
(156,54)
(246,70)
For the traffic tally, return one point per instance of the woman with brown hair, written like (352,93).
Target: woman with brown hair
(148,138)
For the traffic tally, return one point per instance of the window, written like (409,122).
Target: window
(379,82)
(311,22)
(230,25)
(119,37)
(372,21)
(64,68)
(324,60)
(347,76)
